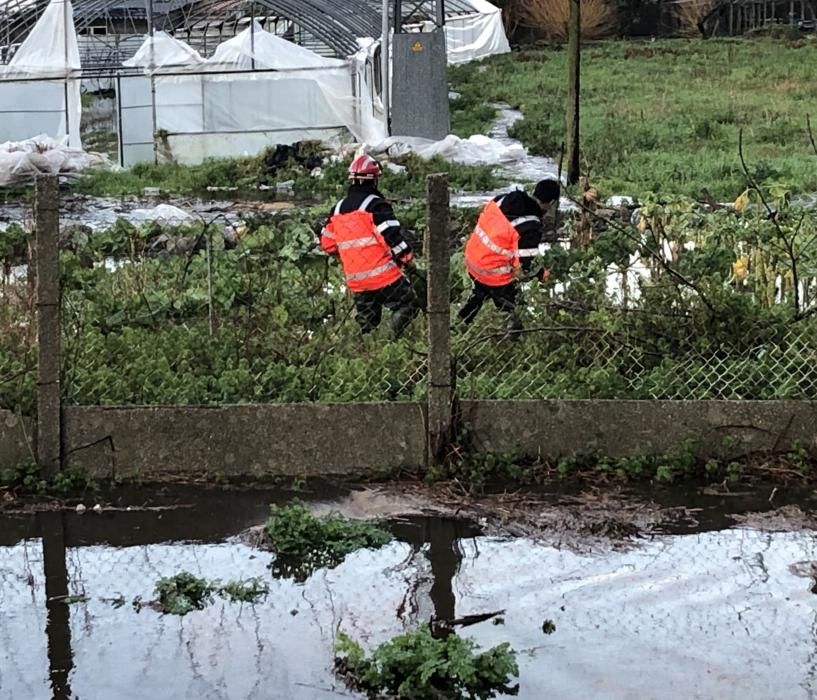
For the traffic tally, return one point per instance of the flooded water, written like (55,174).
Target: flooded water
(702,613)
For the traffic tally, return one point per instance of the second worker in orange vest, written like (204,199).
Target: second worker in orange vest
(364,233)
(505,241)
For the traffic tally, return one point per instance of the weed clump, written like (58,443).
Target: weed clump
(417,666)
(184,593)
(26,479)
(304,542)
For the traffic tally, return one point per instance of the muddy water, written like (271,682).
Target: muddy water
(723,613)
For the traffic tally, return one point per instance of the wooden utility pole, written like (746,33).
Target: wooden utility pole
(573,71)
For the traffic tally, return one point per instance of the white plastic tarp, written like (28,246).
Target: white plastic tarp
(164,51)
(21,162)
(474,36)
(50,101)
(256,89)
(476,150)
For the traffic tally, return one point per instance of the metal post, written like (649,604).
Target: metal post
(151,28)
(573,80)
(252,36)
(119,120)
(49,395)
(384,65)
(439,348)
(440,11)
(65,61)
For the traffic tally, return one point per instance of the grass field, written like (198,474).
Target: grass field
(661,116)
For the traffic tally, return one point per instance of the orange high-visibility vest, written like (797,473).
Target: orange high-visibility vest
(492,250)
(365,256)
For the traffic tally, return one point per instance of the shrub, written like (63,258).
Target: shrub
(416,666)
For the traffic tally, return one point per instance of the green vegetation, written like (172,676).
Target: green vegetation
(727,313)
(249,173)
(416,666)
(304,542)
(25,480)
(184,593)
(662,116)
(481,471)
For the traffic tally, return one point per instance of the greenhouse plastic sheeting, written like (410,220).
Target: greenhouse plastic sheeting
(257,89)
(164,52)
(44,95)
(474,36)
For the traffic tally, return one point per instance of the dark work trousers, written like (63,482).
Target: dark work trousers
(504,298)
(398,297)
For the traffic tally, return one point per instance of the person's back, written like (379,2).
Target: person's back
(502,245)
(364,233)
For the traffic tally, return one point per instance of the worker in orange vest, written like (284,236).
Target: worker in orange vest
(364,233)
(505,241)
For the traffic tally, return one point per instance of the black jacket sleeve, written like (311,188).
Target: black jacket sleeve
(525,216)
(389,227)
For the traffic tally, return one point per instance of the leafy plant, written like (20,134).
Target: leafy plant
(183,593)
(416,666)
(304,542)
(26,479)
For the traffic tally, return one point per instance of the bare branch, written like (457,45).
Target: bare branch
(656,255)
(787,242)
(811,134)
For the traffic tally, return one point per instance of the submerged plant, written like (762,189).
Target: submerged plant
(304,542)
(417,666)
(184,593)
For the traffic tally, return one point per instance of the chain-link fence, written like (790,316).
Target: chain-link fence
(191,303)
(173,305)
(670,301)
(18,329)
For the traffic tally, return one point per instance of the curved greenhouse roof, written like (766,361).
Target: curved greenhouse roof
(331,26)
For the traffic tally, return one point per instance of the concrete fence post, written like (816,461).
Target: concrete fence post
(49,395)
(438,258)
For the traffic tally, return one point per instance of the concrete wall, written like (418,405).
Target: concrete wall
(551,429)
(359,439)
(16,439)
(259,440)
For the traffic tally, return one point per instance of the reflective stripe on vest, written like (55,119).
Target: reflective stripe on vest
(364,254)
(372,273)
(491,253)
(524,219)
(493,246)
(527,252)
(358,242)
(504,270)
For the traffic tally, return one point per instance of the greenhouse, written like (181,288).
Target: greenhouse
(189,80)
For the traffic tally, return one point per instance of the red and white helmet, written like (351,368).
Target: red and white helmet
(365,167)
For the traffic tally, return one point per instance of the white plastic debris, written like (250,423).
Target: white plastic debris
(164,214)
(618,200)
(97,509)
(475,150)
(22,161)
(81,509)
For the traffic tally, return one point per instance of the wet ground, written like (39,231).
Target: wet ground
(693,602)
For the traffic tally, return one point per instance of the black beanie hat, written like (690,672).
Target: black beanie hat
(547,190)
